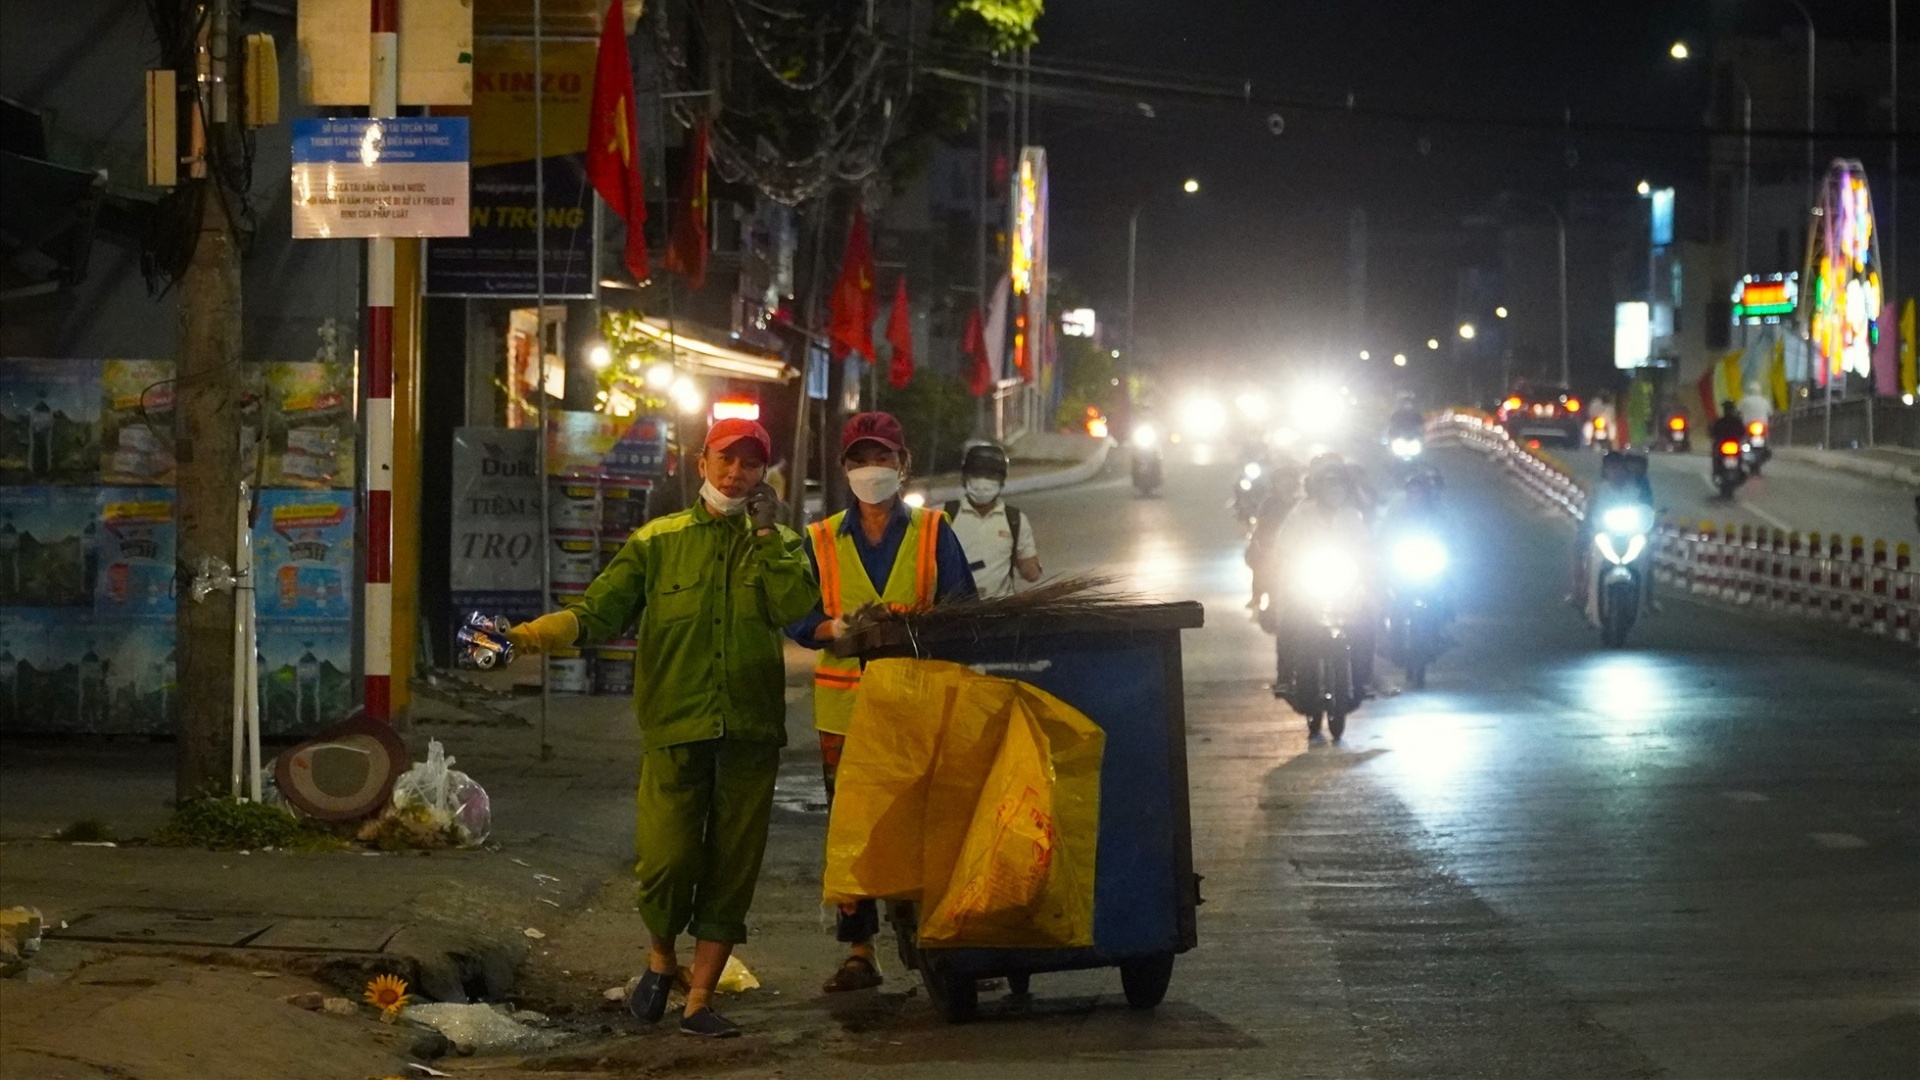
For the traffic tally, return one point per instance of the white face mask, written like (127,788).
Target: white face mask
(982,490)
(727,505)
(874,484)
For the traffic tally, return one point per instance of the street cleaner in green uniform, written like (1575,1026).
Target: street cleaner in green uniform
(711,586)
(881,551)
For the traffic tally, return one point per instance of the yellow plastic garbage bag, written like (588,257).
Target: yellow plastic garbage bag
(978,797)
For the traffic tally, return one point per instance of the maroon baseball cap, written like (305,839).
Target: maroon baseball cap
(725,433)
(873,427)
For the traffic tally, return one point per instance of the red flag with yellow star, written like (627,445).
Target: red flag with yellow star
(613,141)
(854,306)
(687,250)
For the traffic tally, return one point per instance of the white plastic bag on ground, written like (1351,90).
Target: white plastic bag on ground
(482,1028)
(447,795)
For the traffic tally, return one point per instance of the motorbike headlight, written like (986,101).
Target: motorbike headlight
(1419,558)
(1626,519)
(1145,437)
(1326,577)
(1246,484)
(1252,470)
(1406,448)
(1612,550)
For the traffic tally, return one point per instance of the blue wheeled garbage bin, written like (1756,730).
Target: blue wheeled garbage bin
(1121,667)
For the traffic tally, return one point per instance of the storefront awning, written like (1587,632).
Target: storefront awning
(692,352)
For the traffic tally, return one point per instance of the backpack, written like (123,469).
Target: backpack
(1013,526)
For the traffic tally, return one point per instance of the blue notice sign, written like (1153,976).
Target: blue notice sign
(437,140)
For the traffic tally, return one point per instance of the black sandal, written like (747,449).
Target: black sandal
(708,1024)
(647,998)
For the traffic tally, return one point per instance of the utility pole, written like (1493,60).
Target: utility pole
(206,427)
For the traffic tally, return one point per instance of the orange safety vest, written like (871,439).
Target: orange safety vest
(845,588)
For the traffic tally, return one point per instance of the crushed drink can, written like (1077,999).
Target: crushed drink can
(481,642)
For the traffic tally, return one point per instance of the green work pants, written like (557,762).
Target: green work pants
(703,809)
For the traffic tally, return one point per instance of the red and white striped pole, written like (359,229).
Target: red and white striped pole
(377,617)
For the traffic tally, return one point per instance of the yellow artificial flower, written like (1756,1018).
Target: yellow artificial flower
(388,993)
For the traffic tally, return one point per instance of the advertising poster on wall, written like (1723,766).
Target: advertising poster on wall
(309,426)
(49,546)
(306,674)
(496,560)
(303,554)
(62,672)
(136,422)
(136,552)
(50,422)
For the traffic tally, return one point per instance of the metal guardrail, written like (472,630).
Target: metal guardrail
(1869,587)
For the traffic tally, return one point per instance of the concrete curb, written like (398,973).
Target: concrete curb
(1841,461)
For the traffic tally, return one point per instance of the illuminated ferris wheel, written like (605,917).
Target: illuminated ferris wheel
(1840,315)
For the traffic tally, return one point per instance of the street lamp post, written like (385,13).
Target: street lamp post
(1191,187)
(1560,221)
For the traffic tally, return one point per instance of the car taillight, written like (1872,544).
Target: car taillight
(1729,449)
(1511,404)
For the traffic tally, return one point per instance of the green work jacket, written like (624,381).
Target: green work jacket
(711,599)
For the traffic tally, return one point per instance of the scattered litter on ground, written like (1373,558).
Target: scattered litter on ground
(545,879)
(521,862)
(20,929)
(433,805)
(614,993)
(339,1006)
(536,935)
(549,903)
(426,1070)
(311,1001)
(95,843)
(736,979)
(266,974)
(481,1029)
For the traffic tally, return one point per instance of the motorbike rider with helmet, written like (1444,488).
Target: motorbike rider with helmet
(1623,480)
(1283,492)
(1330,517)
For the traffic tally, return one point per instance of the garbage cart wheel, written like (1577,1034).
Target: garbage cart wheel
(955,994)
(1145,980)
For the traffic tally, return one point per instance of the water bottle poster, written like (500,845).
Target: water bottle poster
(303,554)
(136,422)
(306,674)
(50,546)
(62,672)
(309,426)
(50,422)
(136,552)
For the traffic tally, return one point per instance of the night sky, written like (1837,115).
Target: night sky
(1254,270)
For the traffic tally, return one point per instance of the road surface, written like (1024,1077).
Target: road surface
(1788,494)
(1694,858)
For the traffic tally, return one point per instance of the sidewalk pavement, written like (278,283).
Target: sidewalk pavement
(1900,465)
(542,916)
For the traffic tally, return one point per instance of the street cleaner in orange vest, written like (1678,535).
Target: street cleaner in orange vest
(711,586)
(881,551)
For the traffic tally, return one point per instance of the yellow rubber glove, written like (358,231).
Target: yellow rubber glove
(546,633)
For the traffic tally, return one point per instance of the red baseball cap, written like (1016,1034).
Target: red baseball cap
(873,427)
(725,433)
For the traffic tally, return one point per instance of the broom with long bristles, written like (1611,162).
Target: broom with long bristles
(1079,596)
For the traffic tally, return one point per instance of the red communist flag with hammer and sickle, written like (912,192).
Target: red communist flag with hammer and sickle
(613,142)
(854,306)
